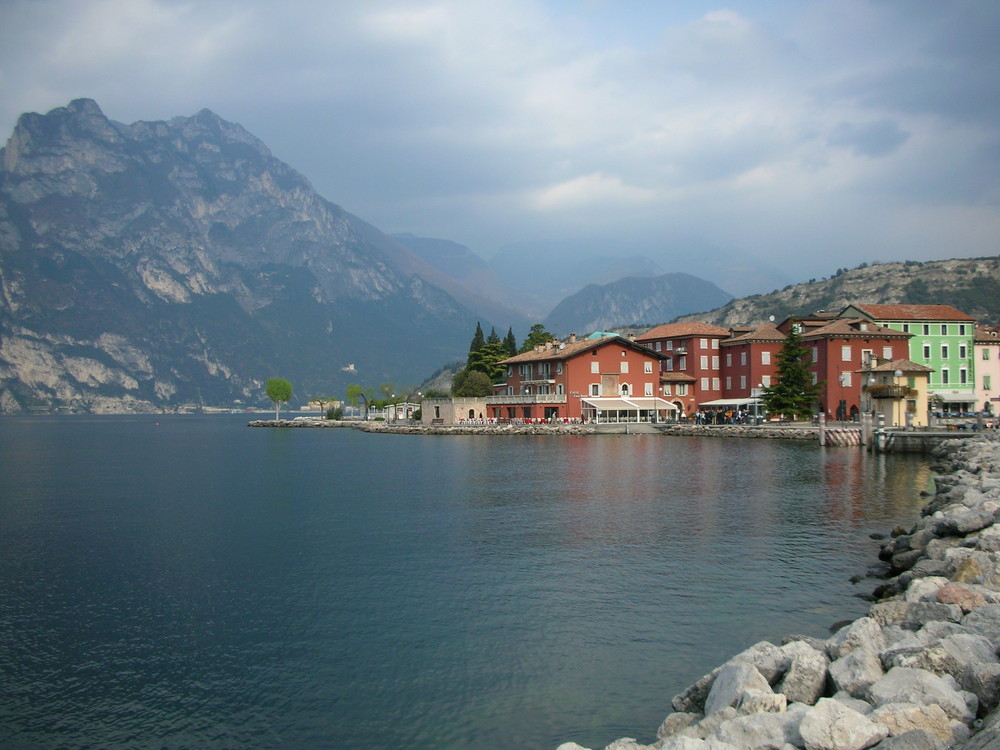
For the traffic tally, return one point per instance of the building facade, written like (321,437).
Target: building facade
(691,361)
(987,356)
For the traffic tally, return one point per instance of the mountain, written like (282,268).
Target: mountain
(970,285)
(149,265)
(632,301)
(518,308)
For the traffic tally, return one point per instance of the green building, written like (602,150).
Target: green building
(942,339)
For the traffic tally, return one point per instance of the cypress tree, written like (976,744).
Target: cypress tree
(478,341)
(510,343)
(794,394)
(493,338)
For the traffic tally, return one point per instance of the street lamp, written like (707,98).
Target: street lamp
(842,406)
(897,375)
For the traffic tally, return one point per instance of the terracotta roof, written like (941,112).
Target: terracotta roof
(912,312)
(987,335)
(766,332)
(556,350)
(905,365)
(677,377)
(673,330)
(852,327)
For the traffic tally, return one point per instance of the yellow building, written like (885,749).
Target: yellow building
(897,389)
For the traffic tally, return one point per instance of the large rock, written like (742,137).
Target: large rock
(985,620)
(900,718)
(915,739)
(856,671)
(830,725)
(734,679)
(906,685)
(764,731)
(805,680)
(769,660)
(913,614)
(864,632)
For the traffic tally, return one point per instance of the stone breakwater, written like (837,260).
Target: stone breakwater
(919,672)
(743,431)
(417,429)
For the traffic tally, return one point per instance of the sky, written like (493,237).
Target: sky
(797,135)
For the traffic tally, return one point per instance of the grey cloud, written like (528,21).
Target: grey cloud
(871,139)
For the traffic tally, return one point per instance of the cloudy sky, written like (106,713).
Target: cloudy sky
(803,134)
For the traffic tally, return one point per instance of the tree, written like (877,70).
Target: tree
(279,391)
(493,338)
(478,340)
(357,393)
(472,383)
(795,393)
(537,335)
(510,343)
(487,360)
(321,401)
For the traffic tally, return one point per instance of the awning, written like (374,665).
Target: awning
(731,402)
(953,397)
(630,404)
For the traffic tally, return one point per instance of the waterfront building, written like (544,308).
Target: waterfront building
(898,390)
(987,357)
(603,378)
(691,351)
(943,340)
(749,361)
(842,346)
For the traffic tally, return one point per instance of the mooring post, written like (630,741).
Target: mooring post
(822,428)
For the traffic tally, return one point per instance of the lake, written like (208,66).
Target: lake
(185,581)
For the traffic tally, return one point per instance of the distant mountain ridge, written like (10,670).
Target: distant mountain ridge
(147,265)
(971,285)
(632,301)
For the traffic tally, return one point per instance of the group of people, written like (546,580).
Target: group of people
(722,416)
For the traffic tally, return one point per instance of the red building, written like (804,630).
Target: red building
(749,362)
(689,350)
(607,378)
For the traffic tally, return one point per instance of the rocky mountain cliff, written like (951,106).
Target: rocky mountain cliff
(144,266)
(633,301)
(970,285)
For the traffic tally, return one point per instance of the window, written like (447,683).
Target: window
(986,352)
(647,367)
(703,384)
(510,390)
(656,346)
(815,354)
(729,383)
(560,389)
(595,367)
(715,343)
(648,389)
(595,389)
(765,381)
(886,352)
(743,358)
(715,361)
(927,329)
(986,382)
(666,390)
(963,375)
(729,359)
(558,368)
(715,384)
(845,354)
(845,378)
(944,375)
(961,330)
(670,365)
(669,346)
(765,358)
(703,343)
(944,330)
(815,378)
(624,367)
(510,370)
(927,351)
(743,382)
(682,389)
(944,351)
(703,361)
(963,352)
(683,364)
(906,327)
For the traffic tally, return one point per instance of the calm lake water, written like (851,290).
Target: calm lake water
(177,582)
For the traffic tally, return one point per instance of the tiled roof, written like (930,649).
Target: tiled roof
(673,330)
(563,350)
(913,312)
(905,365)
(766,332)
(677,377)
(852,327)
(987,335)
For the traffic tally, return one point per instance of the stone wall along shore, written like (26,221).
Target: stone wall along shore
(398,428)
(919,672)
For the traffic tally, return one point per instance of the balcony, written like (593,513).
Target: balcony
(526,398)
(888,390)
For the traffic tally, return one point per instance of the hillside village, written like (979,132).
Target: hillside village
(910,363)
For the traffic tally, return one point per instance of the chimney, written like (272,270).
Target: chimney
(631,337)
(572,338)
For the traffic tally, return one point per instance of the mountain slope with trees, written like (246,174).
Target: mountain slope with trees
(971,285)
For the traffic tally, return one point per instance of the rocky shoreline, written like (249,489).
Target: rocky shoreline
(919,672)
(397,428)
